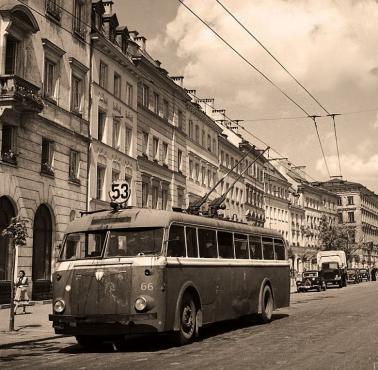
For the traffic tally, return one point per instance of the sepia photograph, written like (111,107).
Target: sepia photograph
(189,184)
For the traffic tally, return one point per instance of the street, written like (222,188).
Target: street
(336,329)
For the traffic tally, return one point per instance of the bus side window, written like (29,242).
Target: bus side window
(225,245)
(279,249)
(191,241)
(268,251)
(176,242)
(255,247)
(241,246)
(207,243)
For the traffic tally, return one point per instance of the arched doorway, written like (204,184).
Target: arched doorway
(42,248)
(7,211)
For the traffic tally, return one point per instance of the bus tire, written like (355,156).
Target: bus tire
(266,305)
(89,341)
(187,320)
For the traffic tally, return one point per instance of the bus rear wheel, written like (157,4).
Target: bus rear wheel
(266,305)
(188,320)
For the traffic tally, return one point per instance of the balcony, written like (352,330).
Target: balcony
(19,94)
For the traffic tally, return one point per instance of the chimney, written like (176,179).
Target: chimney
(141,41)
(108,5)
(179,80)
(133,35)
(158,62)
(218,114)
(207,105)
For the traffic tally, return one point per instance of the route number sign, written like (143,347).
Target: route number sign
(120,192)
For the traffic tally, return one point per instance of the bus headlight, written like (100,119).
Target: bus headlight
(140,304)
(59,305)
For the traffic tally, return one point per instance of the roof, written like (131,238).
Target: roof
(144,217)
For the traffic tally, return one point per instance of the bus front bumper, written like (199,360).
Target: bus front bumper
(105,324)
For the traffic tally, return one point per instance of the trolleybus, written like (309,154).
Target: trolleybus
(135,270)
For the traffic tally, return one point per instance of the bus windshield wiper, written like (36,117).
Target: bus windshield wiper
(146,252)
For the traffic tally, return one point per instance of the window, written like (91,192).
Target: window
(115,175)
(190,168)
(279,249)
(209,142)
(165,153)
(47,157)
(145,96)
(179,160)
(351,217)
(180,118)
(128,140)
(145,143)
(339,201)
(214,146)
(176,242)
(190,129)
(268,251)
(255,247)
(203,174)
(155,196)
(203,138)
(50,80)
(10,56)
(8,144)
(103,77)
(76,95)
(241,246)
(156,103)
(155,149)
(191,241)
(100,182)
(209,178)
(79,18)
(340,217)
(116,130)
(101,120)
(164,199)
(207,243)
(166,109)
(197,134)
(225,245)
(130,94)
(145,190)
(74,165)
(53,9)
(117,85)
(196,175)
(350,200)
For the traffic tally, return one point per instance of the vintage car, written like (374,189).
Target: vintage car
(364,274)
(353,276)
(311,280)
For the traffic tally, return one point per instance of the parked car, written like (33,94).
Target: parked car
(353,276)
(311,280)
(364,274)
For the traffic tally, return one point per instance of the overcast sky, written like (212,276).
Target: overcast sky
(331,47)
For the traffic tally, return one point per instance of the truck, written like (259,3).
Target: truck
(332,266)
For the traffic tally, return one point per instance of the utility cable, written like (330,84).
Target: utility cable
(243,57)
(320,143)
(337,144)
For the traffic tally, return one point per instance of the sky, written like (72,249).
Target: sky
(331,47)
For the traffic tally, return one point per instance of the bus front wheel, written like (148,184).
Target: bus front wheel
(89,341)
(188,320)
(266,305)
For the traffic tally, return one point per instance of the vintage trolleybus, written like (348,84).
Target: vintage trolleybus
(139,270)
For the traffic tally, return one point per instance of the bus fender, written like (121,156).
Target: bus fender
(265,282)
(189,285)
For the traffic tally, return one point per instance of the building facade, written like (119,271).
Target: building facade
(357,208)
(44,63)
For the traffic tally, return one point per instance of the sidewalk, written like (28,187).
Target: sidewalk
(30,327)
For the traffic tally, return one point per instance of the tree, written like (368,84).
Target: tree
(338,237)
(17,233)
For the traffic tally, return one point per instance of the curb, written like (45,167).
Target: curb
(31,303)
(29,341)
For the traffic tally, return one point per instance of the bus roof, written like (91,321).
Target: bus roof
(144,217)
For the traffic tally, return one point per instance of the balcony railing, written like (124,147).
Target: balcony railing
(19,94)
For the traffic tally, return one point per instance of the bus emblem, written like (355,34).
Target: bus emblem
(99,275)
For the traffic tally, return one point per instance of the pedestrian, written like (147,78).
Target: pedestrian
(21,297)
(373,274)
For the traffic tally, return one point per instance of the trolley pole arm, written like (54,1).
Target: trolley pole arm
(216,203)
(195,207)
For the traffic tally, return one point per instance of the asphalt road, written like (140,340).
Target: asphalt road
(336,329)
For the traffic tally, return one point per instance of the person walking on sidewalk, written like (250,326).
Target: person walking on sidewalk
(21,298)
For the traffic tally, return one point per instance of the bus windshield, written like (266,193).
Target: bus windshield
(83,245)
(134,242)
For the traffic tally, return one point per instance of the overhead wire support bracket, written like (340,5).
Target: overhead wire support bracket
(337,142)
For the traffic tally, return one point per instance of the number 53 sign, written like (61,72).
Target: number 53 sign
(120,192)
